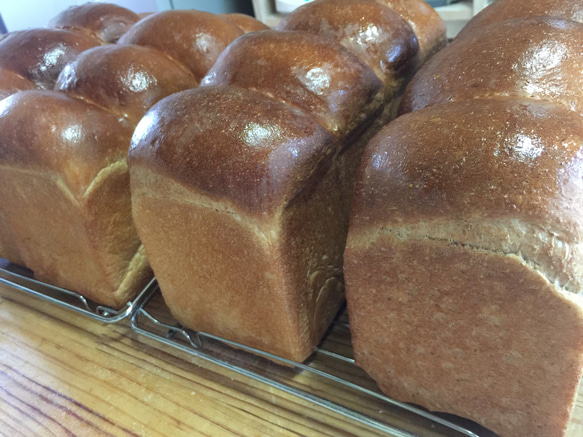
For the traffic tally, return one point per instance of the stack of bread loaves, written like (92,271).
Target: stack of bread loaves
(33,59)
(464,260)
(65,209)
(241,188)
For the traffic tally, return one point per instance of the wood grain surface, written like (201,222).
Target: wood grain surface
(62,374)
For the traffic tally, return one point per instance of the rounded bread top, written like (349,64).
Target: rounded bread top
(49,132)
(426,23)
(39,55)
(509,9)
(376,34)
(233,145)
(538,58)
(106,21)
(11,82)
(497,158)
(314,74)
(125,79)
(244,22)
(193,38)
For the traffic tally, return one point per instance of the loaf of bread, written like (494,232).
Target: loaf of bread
(33,59)
(65,208)
(241,188)
(464,261)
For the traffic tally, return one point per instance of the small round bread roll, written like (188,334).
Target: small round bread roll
(194,38)
(39,55)
(124,79)
(106,21)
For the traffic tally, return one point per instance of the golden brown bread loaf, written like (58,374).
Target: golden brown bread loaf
(28,60)
(241,188)
(464,260)
(233,251)
(65,197)
(65,210)
(193,38)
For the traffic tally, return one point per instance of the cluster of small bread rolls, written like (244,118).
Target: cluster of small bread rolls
(241,188)
(464,260)
(65,208)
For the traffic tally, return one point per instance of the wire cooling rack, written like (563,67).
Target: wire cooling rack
(21,279)
(329,378)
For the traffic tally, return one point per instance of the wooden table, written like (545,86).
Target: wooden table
(62,374)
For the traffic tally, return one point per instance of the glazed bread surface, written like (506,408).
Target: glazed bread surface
(384,40)
(101,76)
(227,197)
(244,22)
(65,169)
(508,9)
(302,82)
(541,60)
(106,21)
(66,209)
(39,55)
(464,258)
(241,188)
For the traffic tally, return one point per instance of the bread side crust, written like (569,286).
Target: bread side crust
(541,61)
(106,206)
(195,274)
(426,23)
(472,330)
(277,304)
(287,259)
(8,244)
(72,246)
(12,82)
(509,9)
(542,249)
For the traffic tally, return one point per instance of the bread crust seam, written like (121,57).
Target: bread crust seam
(565,251)
(117,166)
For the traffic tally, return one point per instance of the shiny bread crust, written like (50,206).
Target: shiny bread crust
(463,259)
(242,187)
